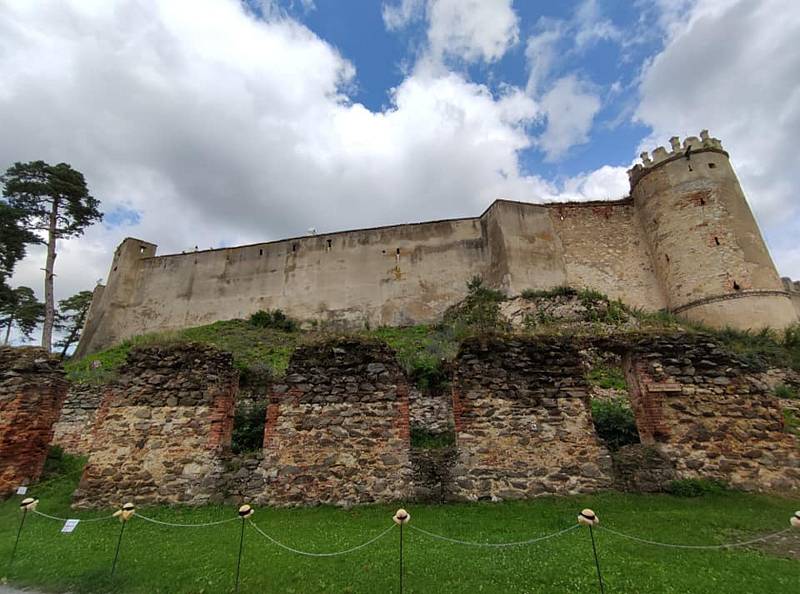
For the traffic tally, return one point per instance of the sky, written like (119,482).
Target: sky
(214,123)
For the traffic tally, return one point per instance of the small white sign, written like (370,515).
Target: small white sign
(22,490)
(69,526)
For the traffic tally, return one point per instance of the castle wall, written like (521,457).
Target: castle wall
(705,243)
(709,414)
(523,423)
(337,430)
(793,288)
(605,248)
(32,389)
(161,429)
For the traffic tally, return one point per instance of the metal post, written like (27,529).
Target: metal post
(19,532)
(596,561)
(119,542)
(239,562)
(401,559)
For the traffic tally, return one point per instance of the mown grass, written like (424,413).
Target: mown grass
(158,559)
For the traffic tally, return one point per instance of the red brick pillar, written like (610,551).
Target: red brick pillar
(32,391)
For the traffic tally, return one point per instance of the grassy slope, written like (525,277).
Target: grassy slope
(160,559)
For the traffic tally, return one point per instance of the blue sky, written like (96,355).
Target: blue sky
(224,122)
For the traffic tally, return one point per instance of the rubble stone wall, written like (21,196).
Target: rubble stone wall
(162,429)
(710,414)
(32,389)
(523,422)
(337,430)
(73,430)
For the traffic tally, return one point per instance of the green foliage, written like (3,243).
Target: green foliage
(70,319)
(607,377)
(428,440)
(23,310)
(248,429)
(614,422)
(274,319)
(423,351)
(791,422)
(14,238)
(257,352)
(480,309)
(560,291)
(56,463)
(696,487)
(785,391)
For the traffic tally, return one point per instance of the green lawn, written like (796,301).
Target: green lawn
(162,559)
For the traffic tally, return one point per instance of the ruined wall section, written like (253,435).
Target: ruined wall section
(605,248)
(32,389)
(710,415)
(793,288)
(523,422)
(162,429)
(337,430)
(73,430)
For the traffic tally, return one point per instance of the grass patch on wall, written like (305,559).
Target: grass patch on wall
(607,377)
(156,558)
(614,422)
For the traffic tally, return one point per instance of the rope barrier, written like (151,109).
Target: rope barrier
(309,554)
(38,513)
(179,525)
(494,544)
(701,547)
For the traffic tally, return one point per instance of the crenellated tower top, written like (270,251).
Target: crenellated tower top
(677,150)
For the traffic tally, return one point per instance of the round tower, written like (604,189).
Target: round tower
(705,243)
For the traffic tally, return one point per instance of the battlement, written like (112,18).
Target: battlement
(792,286)
(661,155)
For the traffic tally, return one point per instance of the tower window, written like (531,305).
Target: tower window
(294,247)
(260,251)
(328,248)
(736,286)
(666,256)
(716,240)
(712,165)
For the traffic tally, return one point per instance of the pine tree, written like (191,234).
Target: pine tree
(22,310)
(53,201)
(70,319)
(13,241)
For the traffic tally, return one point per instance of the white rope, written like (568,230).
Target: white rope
(706,547)
(308,554)
(38,513)
(494,544)
(179,525)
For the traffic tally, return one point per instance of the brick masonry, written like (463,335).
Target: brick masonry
(162,428)
(32,389)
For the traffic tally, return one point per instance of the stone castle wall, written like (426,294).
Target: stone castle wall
(32,388)
(161,428)
(523,421)
(710,414)
(337,430)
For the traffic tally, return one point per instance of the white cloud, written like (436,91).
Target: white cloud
(397,16)
(219,129)
(732,67)
(570,107)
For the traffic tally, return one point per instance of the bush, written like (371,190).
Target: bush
(784,391)
(428,440)
(275,319)
(614,422)
(248,429)
(561,291)
(480,309)
(696,487)
(791,424)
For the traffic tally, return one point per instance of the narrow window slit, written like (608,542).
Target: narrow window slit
(716,240)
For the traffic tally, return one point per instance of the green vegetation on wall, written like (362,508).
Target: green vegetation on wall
(614,422)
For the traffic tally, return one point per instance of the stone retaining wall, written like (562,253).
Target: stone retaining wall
(523,422)
(162,428)
(73,430)
(337,430)
(32,390)
(710,414)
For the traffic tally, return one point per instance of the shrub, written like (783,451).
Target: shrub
(791,423)
(428,440)
(275,319)
(480,309)
(248,428)
(784,391)
(696,487)
(614,422)
(560,291)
